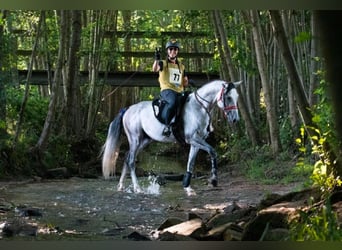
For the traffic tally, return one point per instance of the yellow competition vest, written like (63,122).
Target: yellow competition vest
(172,76)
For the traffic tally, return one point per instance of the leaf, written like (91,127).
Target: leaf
(303,36)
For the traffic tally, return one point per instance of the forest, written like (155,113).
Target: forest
(288,126)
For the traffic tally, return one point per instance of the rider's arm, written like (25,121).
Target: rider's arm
(157,66)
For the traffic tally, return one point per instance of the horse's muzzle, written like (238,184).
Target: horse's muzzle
(232,116)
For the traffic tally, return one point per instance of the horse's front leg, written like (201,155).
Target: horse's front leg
(189,170)
(202,144)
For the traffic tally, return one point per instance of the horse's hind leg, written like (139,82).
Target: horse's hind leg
(121,185)
(134,151)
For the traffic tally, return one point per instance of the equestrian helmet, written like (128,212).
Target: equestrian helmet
(172,43)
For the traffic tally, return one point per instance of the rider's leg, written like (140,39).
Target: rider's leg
(169,110)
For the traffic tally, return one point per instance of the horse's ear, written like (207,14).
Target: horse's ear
(237,84)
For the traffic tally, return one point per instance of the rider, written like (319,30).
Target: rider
(172,80)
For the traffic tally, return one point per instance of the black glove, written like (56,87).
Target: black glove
(157,54)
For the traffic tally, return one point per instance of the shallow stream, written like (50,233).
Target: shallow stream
(78,208)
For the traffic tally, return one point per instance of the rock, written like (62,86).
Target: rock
(229,231)
(28,212)
(5,206)
(232,234)
(173,177)
(137,236)
(19,228)
(235,216)
(277,234)
(276,216)
(57,173)
(231,208)
(169,222)
(193,228)
(193,216)
(167,236)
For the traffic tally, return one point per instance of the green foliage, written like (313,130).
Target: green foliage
(323,174)
(318,224)
(34,115)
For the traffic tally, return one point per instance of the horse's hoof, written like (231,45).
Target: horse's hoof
(189,191)
(120,188)
(214,182)
(187,179)
(138,190)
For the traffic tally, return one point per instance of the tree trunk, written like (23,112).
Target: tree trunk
(3,130)
(329,25)
(301,99)
(27,84)
(72,114)
(94,64)
(265,81)
(296,83)
(314,64)
(50,118)
(228,67)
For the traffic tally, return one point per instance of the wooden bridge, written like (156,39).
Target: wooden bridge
(124,79)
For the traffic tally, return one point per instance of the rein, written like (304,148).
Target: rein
(207,109)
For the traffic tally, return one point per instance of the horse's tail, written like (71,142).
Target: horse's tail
(111,147)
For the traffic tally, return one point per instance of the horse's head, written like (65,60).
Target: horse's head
(227,100)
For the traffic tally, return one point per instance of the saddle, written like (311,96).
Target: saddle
(177,126)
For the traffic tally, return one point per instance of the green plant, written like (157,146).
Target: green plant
(323,174)
(318,224)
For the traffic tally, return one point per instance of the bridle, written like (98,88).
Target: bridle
(226,107)
(221,98)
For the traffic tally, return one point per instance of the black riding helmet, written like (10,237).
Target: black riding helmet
(172,43)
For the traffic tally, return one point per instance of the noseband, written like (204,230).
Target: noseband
(226,90)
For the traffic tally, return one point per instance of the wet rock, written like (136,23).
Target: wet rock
(19,228)
(5,206)
(137,236)
(112,231)
(55,173)
(28,212)
(173,177)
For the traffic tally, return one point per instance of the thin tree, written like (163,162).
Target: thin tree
(72,114)
(50,117)
(27,83)
(227,66)
(265,81)
(329,23)
(3,115)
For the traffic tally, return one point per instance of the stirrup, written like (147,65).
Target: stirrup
(167,131)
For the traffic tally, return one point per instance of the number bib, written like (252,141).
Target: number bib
(175,77)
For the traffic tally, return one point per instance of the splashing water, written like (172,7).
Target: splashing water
(153,186)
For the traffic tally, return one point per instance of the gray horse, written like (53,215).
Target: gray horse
(141,128)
